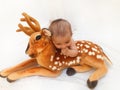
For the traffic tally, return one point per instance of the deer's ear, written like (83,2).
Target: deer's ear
(47,32)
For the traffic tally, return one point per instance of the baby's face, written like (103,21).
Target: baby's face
(62,42)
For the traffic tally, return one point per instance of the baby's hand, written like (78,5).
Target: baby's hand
(69,52)
(65,51)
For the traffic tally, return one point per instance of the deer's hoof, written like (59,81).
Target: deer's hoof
(70,71)
(91,84)
(10,81)
(3,76)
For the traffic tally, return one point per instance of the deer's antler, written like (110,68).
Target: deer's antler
(33,25)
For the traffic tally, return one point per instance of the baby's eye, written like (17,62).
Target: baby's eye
(67,42)
(38,37)
(58,44)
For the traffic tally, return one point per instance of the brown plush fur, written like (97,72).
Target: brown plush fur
(47,61)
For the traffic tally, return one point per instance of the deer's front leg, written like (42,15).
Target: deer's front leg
(31,72)
(23,65)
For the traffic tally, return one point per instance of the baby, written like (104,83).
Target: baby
(62,37)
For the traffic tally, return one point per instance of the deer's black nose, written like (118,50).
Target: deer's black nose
(32,55)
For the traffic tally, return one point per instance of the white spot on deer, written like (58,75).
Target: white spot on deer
(63,62)
(56,62)
(95,46)
(57,58)
(85,50)
(58,69)
(66,63)
(54,68)
(73,61)
(94,49)
(78,47)
(81,45)
(50,66)
(60,64)
(98,56)
(87,46)
(98,51)
(78,59)
(79,51)
(70,63)
(91,53)
(51,58)
(89,43)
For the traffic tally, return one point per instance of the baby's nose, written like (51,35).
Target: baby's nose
(63,46)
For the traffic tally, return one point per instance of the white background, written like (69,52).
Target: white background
(94,20)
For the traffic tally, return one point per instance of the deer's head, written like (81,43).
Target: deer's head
(39,38)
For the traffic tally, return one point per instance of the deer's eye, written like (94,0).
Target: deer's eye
(38,37)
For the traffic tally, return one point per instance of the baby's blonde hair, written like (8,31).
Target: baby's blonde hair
(60,27)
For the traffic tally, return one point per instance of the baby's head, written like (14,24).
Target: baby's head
(61,33)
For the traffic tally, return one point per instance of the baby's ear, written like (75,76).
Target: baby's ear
(47,32)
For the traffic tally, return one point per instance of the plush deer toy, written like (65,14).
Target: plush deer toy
(47,61)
